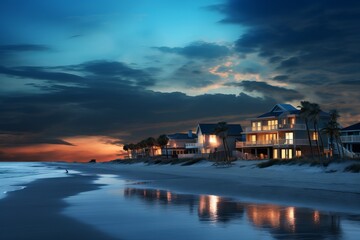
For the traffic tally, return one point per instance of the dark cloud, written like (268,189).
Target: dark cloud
(40,73)
(279,93)
(106,109)
(201,50)
(281,77)
(289,63)
(116,69)
(193,75)
(16,140)
(315,42)
(24,48)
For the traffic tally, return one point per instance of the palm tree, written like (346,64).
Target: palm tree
(332,129)
(131,147)
(305,110)
(221,130)
(314,116)
(150,143)
(126,148)
(162,141)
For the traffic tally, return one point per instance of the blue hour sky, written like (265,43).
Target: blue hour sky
(122,70)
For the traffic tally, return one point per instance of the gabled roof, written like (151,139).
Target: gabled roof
(181,136)
(279,109)
(353,127)
(209,128)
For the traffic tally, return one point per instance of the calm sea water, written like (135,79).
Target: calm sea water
(129,210)
(14,175)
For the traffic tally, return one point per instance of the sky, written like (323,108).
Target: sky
(80,78)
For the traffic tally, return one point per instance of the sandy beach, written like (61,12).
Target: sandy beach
(37,212)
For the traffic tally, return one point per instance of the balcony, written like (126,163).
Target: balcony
(350,139)
(276,128)
(194,145)
(274,143)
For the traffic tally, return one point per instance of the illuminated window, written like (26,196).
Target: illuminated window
(286,153)
(292,120)
(212,139)
(289,136)
(272,124)
(314,136)
(275,153)
(298,153)
(253,138)
(256,126)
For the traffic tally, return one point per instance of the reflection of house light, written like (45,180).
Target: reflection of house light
(168,196)
(202,204)
(144,193)
(213,206)
(316,217)
(158,194)
(208,206)
(265,215)
(290,213)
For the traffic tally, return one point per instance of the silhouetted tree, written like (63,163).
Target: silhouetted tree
(162,141)
(305,110)
(221,130)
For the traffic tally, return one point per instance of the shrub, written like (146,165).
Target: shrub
(354,168)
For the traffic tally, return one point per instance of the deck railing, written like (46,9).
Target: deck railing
(276,127)
(351,139)
(278,142)
(193,145)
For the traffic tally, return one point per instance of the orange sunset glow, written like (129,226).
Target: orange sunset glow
(83,150)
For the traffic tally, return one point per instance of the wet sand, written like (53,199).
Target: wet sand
(338,192)
(35,212)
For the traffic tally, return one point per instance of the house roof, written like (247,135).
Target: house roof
(353,127)
(181,136)
(279,109)
(209,128)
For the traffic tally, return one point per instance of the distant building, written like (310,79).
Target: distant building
(350,137)
(281,134)
(208,142)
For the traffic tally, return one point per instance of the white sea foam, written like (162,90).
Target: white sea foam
(15,175)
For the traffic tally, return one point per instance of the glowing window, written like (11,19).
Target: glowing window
(314,136)
(212,139)
(275,154)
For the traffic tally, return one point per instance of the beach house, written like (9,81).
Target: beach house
(281,134)
(350,137)
(177,142)
(210,141)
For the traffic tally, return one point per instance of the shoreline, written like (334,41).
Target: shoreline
(337,192)
(35,212)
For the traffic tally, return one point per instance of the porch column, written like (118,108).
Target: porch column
(268,153)
(255,152)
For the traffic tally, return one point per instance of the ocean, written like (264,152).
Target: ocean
(15,175)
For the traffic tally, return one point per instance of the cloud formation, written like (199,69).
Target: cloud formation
(200,50)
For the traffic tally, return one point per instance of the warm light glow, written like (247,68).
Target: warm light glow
(316,217)
(213,205)
(168,196)
(290,216)
(212,139)
(208,205)
(264,215)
